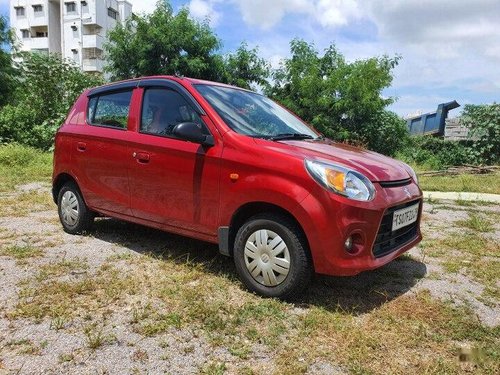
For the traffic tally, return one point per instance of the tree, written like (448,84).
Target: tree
(164,43)
(343,100)
(47,88)
(245,67)
(484,124)
(6,80)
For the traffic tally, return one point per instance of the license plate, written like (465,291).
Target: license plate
(405,216)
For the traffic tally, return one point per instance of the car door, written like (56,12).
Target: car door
(101,151)
(172,181)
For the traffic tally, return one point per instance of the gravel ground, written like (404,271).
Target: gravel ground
(182,351)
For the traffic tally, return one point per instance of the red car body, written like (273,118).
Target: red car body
(206,192)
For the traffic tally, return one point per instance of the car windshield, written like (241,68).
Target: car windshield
(253,114)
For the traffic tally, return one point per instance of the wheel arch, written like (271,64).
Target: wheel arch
(246,211)
(59,182)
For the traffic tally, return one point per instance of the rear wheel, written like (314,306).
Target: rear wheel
(271,256)
(74,214)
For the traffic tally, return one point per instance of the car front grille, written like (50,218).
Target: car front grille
(397,183)
(388,241)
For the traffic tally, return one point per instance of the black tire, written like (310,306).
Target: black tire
(300,269)
(84,218)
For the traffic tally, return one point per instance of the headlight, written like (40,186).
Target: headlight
(341,180)
(411,172)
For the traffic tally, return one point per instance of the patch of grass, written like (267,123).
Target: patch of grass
(478,183)
(159,323)
(214,368)
(58,323)
(432,200)
(21,164)
(412,333)
(95,337)
(67,357)
(24,346)
(467,253)
(477,223)
(63,267)
(473,203)
(55,298)
(21,253)
(23,204)
(417,334)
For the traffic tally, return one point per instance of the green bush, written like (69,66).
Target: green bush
(436,153)
(484,124)
(21,164)
(12,155)
(46,89)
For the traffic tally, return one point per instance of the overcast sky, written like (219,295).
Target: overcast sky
(450,48)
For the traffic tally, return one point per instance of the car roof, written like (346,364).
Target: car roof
(136,81)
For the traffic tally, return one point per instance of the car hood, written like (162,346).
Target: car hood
(374,166)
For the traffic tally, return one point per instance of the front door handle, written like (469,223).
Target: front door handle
(141,157)
(81,146)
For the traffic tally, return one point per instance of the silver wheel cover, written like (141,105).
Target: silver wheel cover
(70,210)
(267,257)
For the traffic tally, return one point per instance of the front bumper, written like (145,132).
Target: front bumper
(330,219)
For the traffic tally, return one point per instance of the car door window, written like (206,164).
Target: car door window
(163,109)
(110,109)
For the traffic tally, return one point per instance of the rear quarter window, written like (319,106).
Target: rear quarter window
(110,110)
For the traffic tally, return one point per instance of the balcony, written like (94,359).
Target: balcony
(93,65)
(39,43)
(39,19)
(92,41)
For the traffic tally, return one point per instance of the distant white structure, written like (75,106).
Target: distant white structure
(413,114)
(75,29)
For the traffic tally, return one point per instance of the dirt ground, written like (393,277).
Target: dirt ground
(49,327)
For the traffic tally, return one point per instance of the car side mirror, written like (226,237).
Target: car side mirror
(192,132)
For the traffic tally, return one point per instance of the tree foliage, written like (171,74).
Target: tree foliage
(162,43)
(165,43)
(47,88)
(341,99)
(484,124)
(245,68)
(6,80)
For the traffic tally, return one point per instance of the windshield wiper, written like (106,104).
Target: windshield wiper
(285,136)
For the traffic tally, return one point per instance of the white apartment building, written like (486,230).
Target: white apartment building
(74,28)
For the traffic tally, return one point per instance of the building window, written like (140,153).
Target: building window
(112,13)
(38,8)
(25,33)
(19,11)
(70,7)
(42,34)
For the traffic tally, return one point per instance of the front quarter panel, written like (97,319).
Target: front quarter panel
(253,174)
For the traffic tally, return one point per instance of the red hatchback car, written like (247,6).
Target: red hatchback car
(230,166)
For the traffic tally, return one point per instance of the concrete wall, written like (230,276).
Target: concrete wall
(54,26)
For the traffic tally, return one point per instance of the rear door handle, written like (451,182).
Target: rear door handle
(141,157)
(81,146)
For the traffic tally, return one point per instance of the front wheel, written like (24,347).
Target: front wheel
(73,212)
(271,256)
